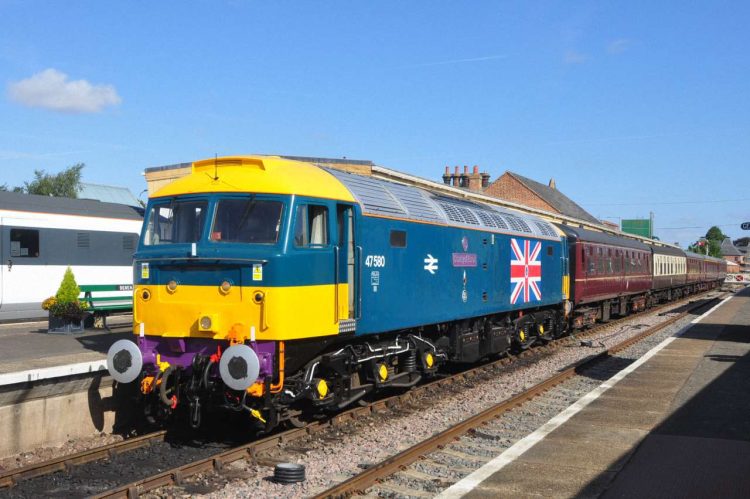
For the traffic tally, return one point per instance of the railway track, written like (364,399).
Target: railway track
(378,473)
(254,450)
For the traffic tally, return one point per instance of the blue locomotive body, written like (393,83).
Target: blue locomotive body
(415,274)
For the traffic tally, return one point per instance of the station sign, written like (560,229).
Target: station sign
(745,226)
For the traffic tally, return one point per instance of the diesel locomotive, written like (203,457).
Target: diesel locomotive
(282,288)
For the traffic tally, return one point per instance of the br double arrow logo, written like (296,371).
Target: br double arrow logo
(430,264)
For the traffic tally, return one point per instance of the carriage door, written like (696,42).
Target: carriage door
(346,269)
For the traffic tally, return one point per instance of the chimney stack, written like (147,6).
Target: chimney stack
(475,180)
(552,184)
(485,180)
(465,177)
(447,176)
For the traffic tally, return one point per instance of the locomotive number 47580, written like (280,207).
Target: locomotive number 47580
(375,261)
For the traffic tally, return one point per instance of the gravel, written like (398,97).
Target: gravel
(42,454)
(336,454)
(375,438)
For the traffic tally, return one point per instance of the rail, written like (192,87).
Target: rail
(360,483)
(251,450)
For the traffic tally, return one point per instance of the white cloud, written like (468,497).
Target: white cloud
(619,46)
(52,90)
(573,57)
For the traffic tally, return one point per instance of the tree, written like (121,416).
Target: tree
(712,242)
(68,291)
(715,234)
(65,184)
(5,188)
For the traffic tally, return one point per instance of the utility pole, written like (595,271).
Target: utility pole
(650,224)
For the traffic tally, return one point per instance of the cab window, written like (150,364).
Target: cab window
(311,229)
(248,220)
(175,222)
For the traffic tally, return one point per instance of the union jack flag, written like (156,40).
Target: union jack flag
(525,272)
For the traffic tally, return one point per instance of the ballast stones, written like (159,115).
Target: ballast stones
(289,473)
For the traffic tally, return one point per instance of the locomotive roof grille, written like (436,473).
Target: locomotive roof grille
(416,202)
(545,228)
(518,224)
(457,213)
(386,198)
(491,220)
(375,197)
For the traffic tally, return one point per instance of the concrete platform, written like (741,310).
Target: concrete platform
(28,346)
(55,387)
(678,425)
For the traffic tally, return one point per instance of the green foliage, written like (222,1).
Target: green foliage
(65,303)
(714,247)
(712,242)
(68,291)
(715,234)
(65,184)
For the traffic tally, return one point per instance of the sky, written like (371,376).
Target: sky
(632,107)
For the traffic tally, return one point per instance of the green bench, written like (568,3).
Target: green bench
(102,300)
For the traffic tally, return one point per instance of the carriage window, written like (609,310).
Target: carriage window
(247,221)
(24,243)
(177,222)
(398,239)
(312,226)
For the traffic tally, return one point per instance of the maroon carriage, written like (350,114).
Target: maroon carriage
(610,275)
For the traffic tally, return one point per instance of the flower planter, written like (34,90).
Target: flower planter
(58,325)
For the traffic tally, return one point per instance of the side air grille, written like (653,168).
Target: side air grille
(128,242)
(83,240)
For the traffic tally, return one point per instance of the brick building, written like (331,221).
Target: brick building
(518,189)
(730,253)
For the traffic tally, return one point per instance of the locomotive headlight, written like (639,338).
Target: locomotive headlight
(172,286)
(258,297)
(205,323)
(225,287)
(145,294)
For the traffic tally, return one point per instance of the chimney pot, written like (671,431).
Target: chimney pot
(476,170)
(447,170)
(466,169)
(456,170)
(485,180)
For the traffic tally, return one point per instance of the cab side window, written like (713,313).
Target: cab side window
(311,228)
